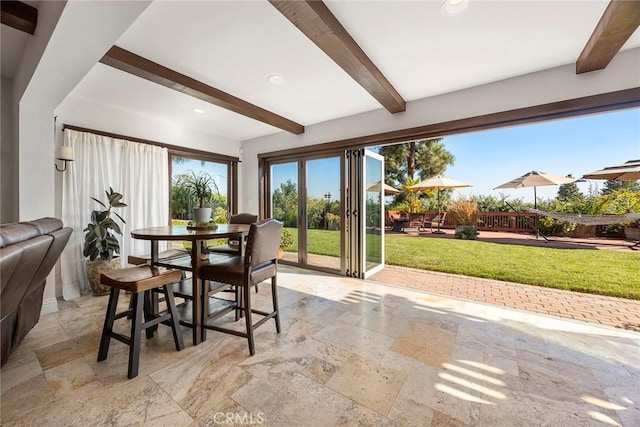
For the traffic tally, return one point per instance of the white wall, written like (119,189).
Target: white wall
(8,173)
(543,87)
(69,39)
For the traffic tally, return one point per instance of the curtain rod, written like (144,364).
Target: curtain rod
(173,148)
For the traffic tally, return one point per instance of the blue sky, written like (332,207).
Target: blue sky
(489,158)
(217,170)
(570,146)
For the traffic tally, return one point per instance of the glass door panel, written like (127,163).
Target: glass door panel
(284,203)
(373,209)
(323,213)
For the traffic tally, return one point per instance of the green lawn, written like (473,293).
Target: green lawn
(613,273)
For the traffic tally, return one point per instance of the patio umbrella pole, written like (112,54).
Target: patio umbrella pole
(438,231)
(535,206)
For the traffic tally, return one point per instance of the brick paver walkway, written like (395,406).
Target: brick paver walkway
(618,312)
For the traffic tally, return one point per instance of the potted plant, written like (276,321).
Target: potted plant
(201,188)
(286,241)
(632,230)
(100,243)
(465,216)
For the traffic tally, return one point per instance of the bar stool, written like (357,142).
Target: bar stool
(140,281)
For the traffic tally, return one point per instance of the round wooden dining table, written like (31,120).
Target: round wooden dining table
(197,237)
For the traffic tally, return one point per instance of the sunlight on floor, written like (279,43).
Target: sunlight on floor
(602,403)
(461,394)
(603,418)
(473,374)
(471,385)
(484,366)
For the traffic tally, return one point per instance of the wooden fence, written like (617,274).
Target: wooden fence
(490,221)
(521,222)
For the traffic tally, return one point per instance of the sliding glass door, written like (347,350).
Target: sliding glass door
(364,213)
(307,196)
(323,213)
(333,209)
(373,209)
(284,205)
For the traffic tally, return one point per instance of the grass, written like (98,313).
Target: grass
(601,272)
(612,273)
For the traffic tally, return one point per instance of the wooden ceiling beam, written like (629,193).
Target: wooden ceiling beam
(620,19)
(19,15)
(317,22)
(134,64)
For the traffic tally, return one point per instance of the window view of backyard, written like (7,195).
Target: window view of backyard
(485,160)
(183,200)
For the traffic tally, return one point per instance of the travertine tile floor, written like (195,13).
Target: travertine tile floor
(352,353)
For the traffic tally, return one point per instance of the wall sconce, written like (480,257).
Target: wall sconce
(66,155)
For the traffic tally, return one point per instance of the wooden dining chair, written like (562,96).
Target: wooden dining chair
(259,263)
(232,245)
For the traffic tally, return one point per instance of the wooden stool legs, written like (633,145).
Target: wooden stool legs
(142,317)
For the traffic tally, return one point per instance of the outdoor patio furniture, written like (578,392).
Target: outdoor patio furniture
(416,221)
(399,224)
(437,220)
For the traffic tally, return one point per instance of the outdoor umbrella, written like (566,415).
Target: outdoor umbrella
(388,190)
(536,179)
(626,171)
(437,182)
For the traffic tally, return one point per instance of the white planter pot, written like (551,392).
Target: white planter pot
(201,215)
(466,232)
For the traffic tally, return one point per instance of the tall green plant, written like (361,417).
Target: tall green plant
(200,186)
(99,239)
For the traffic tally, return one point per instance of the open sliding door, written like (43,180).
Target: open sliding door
(365,213)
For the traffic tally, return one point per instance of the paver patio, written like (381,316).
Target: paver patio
(617,312)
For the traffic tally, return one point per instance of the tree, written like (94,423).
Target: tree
(285,204)
(569,192)
(611,186)
(428,157)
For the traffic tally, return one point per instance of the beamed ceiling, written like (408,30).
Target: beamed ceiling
(335,58)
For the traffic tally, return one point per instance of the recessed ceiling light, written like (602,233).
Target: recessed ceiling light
(452,7)
(198,110)
(275,79)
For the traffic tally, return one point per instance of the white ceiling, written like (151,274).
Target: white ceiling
(235,45)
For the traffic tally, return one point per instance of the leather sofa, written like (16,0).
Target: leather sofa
(28,253)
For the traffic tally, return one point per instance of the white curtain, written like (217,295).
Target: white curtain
(137,171)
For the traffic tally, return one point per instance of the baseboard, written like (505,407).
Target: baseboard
(49,305)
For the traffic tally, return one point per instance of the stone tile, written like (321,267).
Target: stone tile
(358,416)
(69,376)
(351,353)
(426,343)
(20,401)
(19,370)
(368,383)
(65,351)
(356,340)
(625,401)
(298,402)
(425,390)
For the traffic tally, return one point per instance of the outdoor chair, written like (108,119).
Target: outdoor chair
(437,220)
(259,263)
(416,221)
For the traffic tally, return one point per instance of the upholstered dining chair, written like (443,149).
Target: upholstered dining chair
(259,263)
(232,243)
